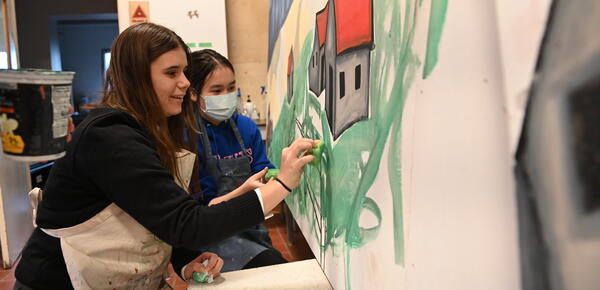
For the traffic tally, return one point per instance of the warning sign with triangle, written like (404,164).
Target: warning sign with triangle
(140,11)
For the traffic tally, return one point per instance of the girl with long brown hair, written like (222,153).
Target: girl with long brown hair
(117,203)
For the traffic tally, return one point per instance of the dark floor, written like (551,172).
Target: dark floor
(297,251)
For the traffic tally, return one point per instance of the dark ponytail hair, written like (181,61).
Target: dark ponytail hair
(203,63)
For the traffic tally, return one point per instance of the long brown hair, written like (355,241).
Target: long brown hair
(129,87)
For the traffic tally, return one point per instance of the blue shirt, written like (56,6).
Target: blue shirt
(224,145)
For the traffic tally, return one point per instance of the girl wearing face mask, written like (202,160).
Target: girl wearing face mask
(232,150)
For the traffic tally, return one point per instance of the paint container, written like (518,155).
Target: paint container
(34,113)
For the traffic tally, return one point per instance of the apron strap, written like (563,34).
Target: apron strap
(206,142)
(35,197)
(110,210)
(204,137)
(238,136)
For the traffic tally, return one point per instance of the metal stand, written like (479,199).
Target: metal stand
(15,211)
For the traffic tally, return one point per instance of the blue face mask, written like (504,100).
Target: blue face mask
(221,107)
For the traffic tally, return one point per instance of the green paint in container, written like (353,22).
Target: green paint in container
(202,277)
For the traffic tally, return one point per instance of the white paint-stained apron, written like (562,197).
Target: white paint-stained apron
(113,251)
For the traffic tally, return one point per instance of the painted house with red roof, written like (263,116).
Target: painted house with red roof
(344,61)
(316,75)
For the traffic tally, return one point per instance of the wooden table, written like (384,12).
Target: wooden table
(296,275)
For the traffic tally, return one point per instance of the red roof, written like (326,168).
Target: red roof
(353,21)
(322,24)
(290,62)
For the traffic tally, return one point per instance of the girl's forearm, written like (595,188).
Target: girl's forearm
(272,194)
(235,193)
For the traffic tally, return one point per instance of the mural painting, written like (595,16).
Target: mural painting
(420,105)
(335,63)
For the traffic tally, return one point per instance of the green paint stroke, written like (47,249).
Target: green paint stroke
(437,17)
(295,121)
(332,194)
(370,234)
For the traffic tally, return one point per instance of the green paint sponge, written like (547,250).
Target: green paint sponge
(317,152)
(202,277)
(271,173)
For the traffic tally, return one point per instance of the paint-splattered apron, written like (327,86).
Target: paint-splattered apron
(238,250)
(113,251)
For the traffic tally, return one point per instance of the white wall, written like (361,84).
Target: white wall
(208,26)
(461,224)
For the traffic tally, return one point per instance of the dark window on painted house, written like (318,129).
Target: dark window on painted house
(585,105)
(322,70)
(357,77)
(342,84)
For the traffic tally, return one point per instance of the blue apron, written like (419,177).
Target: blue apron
(238,250)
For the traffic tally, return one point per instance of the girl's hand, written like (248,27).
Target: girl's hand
(216,200)
(293,161)
(254,181)
(215,263)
